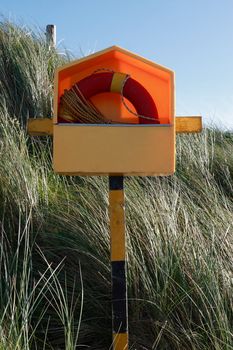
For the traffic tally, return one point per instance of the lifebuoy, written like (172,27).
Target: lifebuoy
(132,90)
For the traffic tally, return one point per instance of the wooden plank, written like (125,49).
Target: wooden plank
(188,124)
(44,126)
(40,126)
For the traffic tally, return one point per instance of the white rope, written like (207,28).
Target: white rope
(127,107)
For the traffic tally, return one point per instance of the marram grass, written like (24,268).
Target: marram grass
(54,245)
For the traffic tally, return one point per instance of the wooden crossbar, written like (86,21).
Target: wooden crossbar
(188,124)
(40,126)
(44,126)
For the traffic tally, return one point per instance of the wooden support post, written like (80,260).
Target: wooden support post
(118,263)
(51,35)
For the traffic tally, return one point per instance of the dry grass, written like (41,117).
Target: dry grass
(54,251)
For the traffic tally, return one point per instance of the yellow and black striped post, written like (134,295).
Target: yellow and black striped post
(118,262)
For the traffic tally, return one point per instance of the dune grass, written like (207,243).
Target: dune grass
(55,286)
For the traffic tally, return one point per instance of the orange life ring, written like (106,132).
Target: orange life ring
(132,90)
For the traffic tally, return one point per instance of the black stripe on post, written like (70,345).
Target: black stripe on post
(119,302)
(116,182)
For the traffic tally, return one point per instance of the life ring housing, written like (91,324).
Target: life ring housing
(132,90)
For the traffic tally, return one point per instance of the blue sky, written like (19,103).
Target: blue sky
(192,37)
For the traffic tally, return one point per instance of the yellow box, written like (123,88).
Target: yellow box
(81,149)
(120,148)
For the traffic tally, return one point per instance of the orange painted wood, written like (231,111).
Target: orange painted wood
(156,79)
